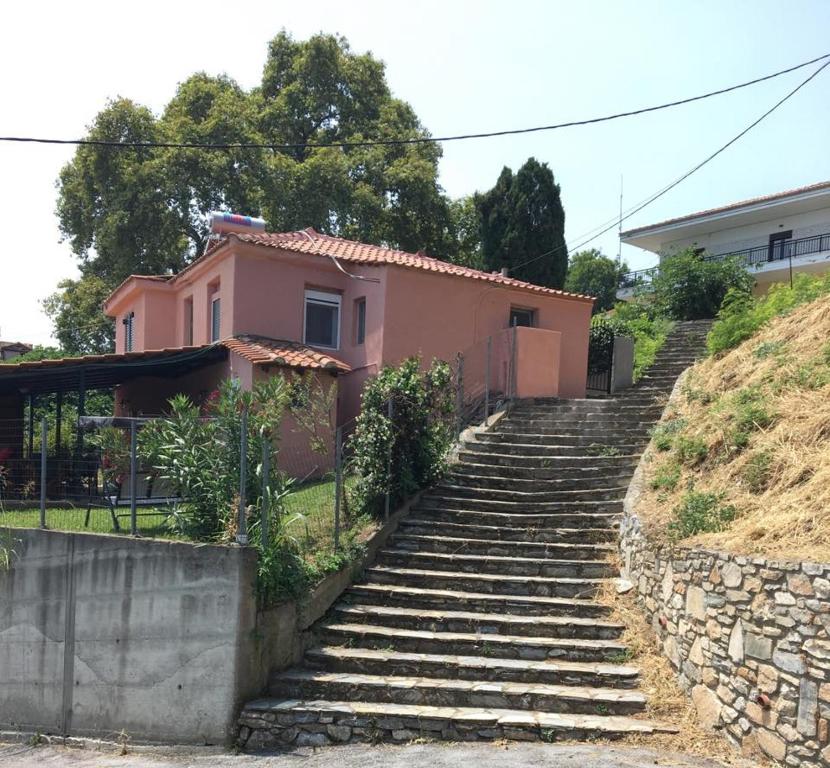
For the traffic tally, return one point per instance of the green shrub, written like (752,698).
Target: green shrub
(746,412)
(700,512)
(664,433)
(688,288)
(738,319)
(768,349)
(691,450)
(649,330)
(418,438)
(756,472)
(666,476)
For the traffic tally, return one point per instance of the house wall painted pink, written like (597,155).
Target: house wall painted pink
(408,311)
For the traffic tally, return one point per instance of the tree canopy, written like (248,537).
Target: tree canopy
(143,210)
(687,287)
(593,273)
(523,225)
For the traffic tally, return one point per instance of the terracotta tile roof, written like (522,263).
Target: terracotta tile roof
(731,207)
(261,350)
(312,242)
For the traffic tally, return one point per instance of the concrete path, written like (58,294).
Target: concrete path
(359,756)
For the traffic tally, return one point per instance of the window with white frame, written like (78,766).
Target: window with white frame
(321,322)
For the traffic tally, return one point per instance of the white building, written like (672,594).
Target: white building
(775,236)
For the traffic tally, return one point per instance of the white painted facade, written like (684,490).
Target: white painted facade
(753,224)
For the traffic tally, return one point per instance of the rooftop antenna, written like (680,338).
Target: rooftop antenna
(619,227)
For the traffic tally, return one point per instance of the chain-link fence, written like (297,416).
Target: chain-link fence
(218,481)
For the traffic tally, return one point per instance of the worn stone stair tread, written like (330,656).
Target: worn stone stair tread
(473,597)
(541,545)
(495,577)
(552,621)
(509,718)
(471,637)
(598,668)
(499,532)
(495,559)
(575,692)
(517,497)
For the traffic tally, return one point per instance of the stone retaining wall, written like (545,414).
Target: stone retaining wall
(747,636)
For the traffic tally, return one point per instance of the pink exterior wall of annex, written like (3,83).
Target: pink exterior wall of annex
(438,315)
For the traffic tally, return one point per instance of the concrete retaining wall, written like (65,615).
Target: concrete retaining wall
(100,634)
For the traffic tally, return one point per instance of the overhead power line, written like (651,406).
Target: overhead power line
(655,196)
(396,142)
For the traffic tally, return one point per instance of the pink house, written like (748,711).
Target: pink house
(259,304)
(349,306)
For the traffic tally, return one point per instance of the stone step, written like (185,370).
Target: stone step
(310,684)
(470,468)
(445,620)
(441,499)
(494,564)
(473,668)
(568,431)
(528,498)
(541,450)
(487,482)
(571,517)
(560,441)
(458,545)
(425,527)
(275,722)
(518,605)
(470,457)
(605,417)
(545,586)
(470,643)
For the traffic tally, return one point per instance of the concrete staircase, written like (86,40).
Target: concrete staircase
(478,621)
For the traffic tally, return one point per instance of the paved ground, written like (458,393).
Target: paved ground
(358,756)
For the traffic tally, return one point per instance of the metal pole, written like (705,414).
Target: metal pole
(459,392)
(242,530)
(513,366)
(133,477)
(266,483)
(44,447)
(487,380)
(389,414)
(338,484)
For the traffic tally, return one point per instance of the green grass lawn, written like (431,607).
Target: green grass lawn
(151,522)
(309,510)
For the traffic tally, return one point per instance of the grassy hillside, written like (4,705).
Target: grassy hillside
(742,460)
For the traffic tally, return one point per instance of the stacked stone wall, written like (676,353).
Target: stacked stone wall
(747,636)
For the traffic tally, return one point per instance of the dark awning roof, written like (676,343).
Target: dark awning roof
(105,371)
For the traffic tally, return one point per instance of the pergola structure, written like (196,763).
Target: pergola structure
(21,384)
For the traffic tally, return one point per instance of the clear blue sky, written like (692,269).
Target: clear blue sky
(464,66)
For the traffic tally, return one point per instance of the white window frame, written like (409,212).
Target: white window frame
(328,300)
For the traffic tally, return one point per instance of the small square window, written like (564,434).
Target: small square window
(360,321)
(322,319)
(522,317)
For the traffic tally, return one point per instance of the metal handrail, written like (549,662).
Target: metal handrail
(762,254)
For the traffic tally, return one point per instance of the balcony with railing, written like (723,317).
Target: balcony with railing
(779,250)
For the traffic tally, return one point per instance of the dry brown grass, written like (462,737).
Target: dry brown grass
(666,700)
(785,515)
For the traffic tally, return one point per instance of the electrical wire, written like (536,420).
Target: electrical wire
(398,142)
(655,196)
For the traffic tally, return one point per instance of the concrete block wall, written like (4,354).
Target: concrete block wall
(748,638)
(100,634)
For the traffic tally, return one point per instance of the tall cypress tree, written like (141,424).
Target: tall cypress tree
(522,218)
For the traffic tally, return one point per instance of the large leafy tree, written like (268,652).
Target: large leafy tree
(126,211)
(593,273)
(523,225)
